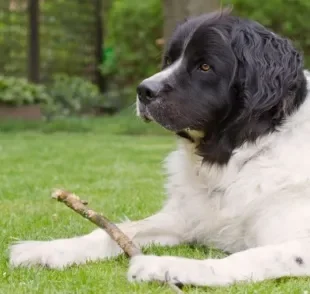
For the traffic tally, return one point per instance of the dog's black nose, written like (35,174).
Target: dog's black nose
(148,90)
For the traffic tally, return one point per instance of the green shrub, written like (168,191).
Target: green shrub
(18,91)
(64,97)
(72,96)
(132,54)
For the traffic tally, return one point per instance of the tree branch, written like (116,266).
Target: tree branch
(79,206)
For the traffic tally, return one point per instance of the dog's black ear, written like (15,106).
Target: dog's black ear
(270,71)
(268,84)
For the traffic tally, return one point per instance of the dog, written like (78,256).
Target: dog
(236,95)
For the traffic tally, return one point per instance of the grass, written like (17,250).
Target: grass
(126,123)
(118,172)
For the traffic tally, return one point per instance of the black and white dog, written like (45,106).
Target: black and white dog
(236,95)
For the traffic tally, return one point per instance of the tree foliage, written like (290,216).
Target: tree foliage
(67,38)
(132,29)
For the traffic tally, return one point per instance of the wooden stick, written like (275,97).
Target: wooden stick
(75,203)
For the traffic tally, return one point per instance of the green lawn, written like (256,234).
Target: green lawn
(120,175)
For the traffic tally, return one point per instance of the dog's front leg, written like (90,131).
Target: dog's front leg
(256,264)
(162,228)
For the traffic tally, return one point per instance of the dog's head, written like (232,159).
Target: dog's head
(224,81)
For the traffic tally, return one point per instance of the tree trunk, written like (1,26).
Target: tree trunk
(33,41)
(197,7)
(99,43)
(176,11)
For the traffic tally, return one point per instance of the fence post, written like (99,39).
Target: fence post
(99,43)
(33,41)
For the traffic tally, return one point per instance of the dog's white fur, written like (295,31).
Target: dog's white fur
(257,207)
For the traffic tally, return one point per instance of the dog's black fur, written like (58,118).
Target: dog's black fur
(255,81)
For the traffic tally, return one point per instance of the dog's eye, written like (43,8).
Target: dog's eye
(204,67)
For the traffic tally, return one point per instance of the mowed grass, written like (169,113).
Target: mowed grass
(119,174)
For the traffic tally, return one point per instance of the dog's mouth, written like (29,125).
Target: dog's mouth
(144,113)
(187,132)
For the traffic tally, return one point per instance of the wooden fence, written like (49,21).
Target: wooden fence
(40,38)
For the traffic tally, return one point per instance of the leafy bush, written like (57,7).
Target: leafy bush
(18,91)
(72,96)
(132,54)
(65,96)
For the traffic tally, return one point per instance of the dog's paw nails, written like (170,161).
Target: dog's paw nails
(150,267)
(142,268)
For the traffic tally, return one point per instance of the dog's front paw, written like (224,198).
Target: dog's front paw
(178,270)
(51,254)
(157,268)
(61,253)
